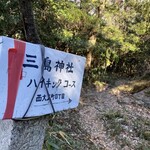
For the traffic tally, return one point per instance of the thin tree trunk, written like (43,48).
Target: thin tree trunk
(30,30)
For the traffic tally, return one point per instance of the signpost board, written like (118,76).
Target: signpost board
(36,80)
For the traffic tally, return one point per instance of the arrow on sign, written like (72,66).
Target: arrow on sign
(68,101)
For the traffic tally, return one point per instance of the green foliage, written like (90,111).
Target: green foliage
(112,31)
(10,20)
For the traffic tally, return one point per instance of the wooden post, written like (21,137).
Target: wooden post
(25,134)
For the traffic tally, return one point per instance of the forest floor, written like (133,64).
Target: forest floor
(107,118)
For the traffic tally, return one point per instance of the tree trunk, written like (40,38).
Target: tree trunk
(30,30)
(89,59)
(92,42)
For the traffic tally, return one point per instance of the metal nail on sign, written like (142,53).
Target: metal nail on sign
(36,80)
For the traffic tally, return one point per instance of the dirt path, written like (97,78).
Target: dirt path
(115,120)
(106,120)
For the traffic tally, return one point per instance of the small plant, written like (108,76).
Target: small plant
(142,128)
(143,147)
(146,135)
(147,93)
(58,139)
(114,122)
(63,136)
(113,115)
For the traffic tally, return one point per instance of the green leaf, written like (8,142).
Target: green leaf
(51,144)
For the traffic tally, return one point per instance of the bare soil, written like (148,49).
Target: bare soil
(106,119)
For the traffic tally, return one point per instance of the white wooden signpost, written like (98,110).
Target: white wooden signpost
(36,80)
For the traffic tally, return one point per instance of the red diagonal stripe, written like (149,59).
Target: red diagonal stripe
(15,61)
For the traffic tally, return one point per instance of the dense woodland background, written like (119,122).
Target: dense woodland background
(114,35)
